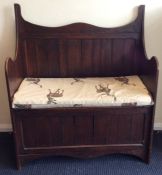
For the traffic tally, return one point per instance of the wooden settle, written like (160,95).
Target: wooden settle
(81,50)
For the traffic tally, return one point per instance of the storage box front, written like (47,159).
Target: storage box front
(66,129)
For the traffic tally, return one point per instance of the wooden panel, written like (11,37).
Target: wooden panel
(84,128)
(58,130)
(119,129)
(45,132)
(38,134)
(76,58)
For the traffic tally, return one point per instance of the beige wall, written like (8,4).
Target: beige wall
(107,13)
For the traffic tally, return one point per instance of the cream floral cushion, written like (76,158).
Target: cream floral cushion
(81,92)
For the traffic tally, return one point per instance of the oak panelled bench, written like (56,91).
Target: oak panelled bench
(80,90)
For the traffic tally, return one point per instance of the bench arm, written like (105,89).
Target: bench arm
(14,76)
(149,75)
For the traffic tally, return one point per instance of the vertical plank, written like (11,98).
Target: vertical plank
(68,127)
(96,53)
(117,56)
(63,57)
(47,58)
(56,130)
(138,127)
(100,129)
(83,129)
(30,55)
(87,55)
(106,57)
(37,135)
(74,58)
(129,59)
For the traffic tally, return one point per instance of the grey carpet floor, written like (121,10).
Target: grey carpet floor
(106,165)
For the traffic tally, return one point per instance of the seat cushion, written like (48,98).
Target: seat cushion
(81,92)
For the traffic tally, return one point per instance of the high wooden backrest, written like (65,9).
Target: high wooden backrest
(79,49)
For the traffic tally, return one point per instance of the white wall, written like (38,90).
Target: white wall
(107,13)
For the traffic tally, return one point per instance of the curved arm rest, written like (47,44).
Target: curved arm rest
(149,75)
(14,76)
(152,65)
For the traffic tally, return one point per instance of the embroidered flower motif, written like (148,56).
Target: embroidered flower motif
(34,81)
(52,95)
(104,91)
(77,80)
(124,80)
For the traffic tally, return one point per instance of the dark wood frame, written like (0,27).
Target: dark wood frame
(81,50)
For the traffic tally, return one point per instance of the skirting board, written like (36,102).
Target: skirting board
(5,128)
(157,126)
(8,127)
